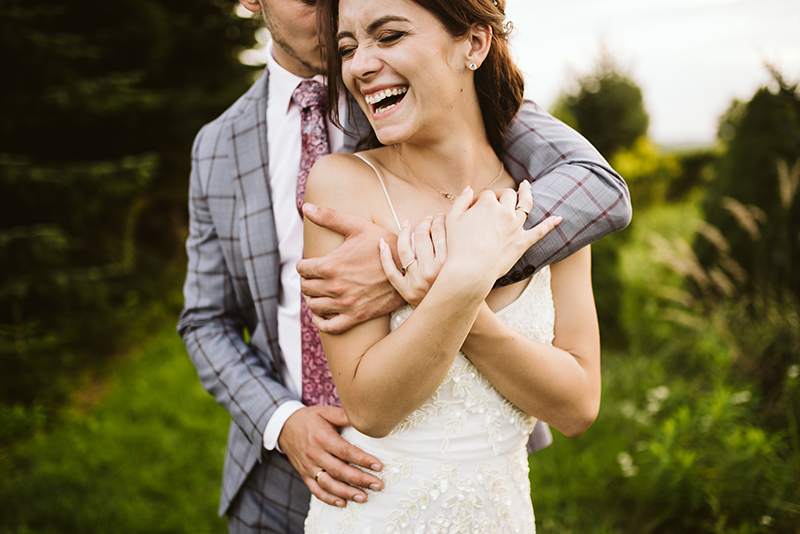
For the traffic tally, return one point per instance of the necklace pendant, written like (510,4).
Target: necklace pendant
(449,196)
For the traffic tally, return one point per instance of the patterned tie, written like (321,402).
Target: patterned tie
(318,388)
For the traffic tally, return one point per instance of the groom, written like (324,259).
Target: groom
(241,321)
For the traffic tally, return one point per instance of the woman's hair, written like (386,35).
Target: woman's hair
(498,81)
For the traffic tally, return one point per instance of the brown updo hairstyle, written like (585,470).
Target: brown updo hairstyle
(498,81)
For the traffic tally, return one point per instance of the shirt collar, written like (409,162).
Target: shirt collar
(282,83)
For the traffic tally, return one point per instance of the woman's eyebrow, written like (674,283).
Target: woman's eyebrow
(374,25)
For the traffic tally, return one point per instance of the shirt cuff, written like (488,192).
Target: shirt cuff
(276,422)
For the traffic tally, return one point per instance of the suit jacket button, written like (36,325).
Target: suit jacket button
(504,281)
(529,269)
(517,276)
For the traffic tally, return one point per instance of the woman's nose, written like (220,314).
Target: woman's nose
(364,63)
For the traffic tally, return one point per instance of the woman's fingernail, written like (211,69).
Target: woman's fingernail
(405,223)
(382,244)
(468,188)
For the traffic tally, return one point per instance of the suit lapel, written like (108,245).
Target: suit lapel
(259,242)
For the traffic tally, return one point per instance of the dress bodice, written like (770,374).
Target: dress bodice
(458,462)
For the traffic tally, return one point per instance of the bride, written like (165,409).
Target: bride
(446,390)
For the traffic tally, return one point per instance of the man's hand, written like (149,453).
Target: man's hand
(312,443)
(347,286)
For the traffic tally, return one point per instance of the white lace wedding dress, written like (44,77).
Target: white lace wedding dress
(458,463)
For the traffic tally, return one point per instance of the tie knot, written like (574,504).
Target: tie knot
(309,94)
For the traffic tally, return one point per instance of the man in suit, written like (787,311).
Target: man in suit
(241,322)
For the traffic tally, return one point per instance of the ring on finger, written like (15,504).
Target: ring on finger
(523,210)
(316,477)
(405,267)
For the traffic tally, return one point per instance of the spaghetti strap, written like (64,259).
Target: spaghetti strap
(385,192)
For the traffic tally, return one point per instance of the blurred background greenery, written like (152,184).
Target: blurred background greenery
(103,424)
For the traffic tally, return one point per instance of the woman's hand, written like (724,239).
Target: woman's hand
(485,234)
(421,253)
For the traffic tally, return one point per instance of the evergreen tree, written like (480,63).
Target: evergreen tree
(607,107)
(99,105)
(753,199)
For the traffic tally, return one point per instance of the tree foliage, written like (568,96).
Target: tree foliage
(607,107)
(100,102)
(753,199)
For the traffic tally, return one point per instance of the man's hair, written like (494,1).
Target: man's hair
(498,82)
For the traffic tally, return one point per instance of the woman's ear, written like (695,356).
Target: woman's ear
(251,5)
(480,41)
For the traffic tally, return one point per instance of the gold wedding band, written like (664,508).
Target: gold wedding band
(316,477)
(405,267)
(523,210)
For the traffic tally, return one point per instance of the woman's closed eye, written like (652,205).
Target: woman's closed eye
(391,37)
(346,51)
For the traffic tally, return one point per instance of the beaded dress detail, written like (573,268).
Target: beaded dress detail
(458,464)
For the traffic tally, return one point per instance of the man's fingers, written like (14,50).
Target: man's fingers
(335,324)
(345,480)
(321,494)
(309,268)
(323,306)
(341,223)
(335,416)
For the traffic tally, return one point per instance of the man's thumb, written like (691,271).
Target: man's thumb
(341,223)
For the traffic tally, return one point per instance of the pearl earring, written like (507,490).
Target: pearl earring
(472,66)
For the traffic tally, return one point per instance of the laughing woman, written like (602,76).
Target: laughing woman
(446,390)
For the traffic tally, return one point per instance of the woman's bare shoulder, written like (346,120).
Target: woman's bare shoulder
(342,182)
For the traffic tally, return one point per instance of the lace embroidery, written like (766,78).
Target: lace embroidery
(431,489)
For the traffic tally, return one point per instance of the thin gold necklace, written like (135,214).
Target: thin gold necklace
(449,196)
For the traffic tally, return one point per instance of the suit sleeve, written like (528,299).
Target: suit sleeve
(569,178)
(212,323)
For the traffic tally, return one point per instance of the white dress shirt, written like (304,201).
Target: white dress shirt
(284,143)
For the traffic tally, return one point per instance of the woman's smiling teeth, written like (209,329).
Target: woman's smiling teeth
(383,101)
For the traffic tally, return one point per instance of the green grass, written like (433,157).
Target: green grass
(146,459)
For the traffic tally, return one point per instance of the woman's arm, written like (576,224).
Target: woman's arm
(381,377)
(559,384)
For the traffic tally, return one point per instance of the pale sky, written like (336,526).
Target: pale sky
(690,57)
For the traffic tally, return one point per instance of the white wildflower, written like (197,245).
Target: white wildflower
(706,421)
(627,409)
(657,394)
(625,461)
(741,397)
(766,520)
(793,371)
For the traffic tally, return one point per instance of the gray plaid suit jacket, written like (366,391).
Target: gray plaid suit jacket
(232,282)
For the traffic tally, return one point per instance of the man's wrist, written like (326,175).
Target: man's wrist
(275,424)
